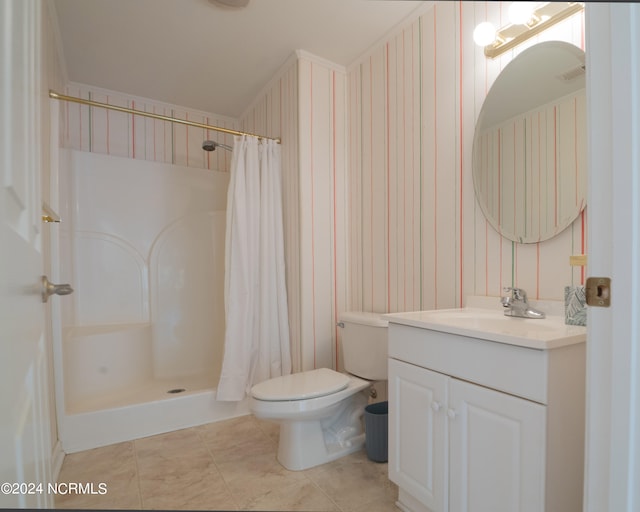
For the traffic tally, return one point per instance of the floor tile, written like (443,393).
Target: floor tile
(292,497)
(270,428)
(353,481)
(195,490)
(228,465)
(114,466)
(257,476)
(236,439)
(172,453)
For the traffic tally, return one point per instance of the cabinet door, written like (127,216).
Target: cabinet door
(497,451)
(417,440)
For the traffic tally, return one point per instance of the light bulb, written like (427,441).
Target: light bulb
(520,13)
(484,34)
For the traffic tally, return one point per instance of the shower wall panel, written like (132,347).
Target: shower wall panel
(187,296)
(147,246)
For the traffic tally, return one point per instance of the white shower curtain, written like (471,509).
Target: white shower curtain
(256,344)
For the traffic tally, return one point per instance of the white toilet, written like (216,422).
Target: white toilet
(320,411)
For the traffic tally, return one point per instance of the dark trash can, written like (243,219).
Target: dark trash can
(376,427)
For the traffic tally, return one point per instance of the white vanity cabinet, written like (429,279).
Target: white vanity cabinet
(477,425)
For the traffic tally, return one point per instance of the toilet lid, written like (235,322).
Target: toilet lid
(300,386)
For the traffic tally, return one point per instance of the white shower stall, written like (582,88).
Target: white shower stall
(140,342)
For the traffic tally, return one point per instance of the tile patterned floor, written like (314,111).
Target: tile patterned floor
(229,465)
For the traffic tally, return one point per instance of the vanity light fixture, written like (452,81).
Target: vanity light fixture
(521,13)
(527,19)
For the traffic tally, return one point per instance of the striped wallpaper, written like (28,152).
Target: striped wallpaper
(308,102)
(418,239)
(105,131)
(380,213)
(323,187)
(274,113)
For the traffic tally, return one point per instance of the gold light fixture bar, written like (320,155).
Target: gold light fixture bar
(74,99)
(512,35)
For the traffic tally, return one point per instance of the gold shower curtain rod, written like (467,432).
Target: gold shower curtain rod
(62,97)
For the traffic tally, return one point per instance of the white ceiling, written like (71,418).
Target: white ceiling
(215,59)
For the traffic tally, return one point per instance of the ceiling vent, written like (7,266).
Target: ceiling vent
(572,74)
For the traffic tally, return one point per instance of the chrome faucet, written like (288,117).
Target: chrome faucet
(516,304)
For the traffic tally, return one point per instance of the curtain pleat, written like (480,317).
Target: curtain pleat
(256,345)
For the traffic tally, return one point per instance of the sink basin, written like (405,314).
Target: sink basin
(493,325)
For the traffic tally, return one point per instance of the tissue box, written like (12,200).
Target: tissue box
(575,305)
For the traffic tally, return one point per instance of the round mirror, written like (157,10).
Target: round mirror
(529,148)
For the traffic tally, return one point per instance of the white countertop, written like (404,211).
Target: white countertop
(491,324)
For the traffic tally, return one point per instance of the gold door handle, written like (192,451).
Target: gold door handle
(49,289)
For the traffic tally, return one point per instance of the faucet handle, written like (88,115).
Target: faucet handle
(509,290)
(516,293)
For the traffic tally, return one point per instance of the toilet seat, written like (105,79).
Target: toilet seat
(301,386)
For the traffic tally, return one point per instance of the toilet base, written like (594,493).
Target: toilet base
(305,444)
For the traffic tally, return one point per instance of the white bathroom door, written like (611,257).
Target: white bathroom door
(613,339)
(24,421)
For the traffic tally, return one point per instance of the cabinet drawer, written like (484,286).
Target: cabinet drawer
(515,370)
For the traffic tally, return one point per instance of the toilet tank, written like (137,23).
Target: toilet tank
(364,344)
